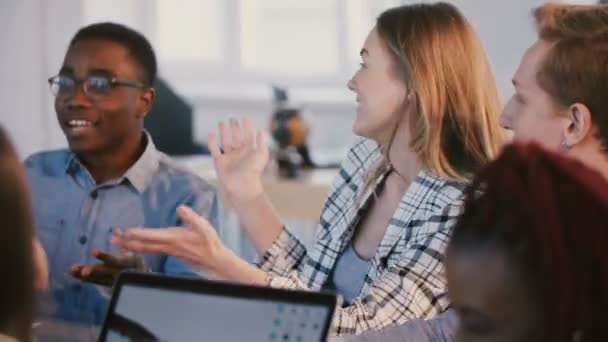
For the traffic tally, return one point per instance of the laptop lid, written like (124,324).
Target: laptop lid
(147,307)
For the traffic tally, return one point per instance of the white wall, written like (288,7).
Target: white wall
(35,33)
(33,38)
(506,30)
(22,99)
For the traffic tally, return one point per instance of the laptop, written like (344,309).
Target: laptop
(148,307)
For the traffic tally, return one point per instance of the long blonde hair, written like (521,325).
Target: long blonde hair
(455,127)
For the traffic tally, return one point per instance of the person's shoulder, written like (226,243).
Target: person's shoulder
(361,158)
(446,195)
(452,192)
(181,177)
(363,152)
(48,163)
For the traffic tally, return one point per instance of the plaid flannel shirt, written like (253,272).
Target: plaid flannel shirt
(406,278)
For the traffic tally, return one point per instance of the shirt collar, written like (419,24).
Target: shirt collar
(71,164)
(140,174)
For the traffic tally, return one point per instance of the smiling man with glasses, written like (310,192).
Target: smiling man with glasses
(111,176)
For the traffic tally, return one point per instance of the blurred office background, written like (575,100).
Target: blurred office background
(220,57)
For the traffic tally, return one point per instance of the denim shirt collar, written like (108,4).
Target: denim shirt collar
(139,175)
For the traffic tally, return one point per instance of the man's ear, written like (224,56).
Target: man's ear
(578,124)
(145,102)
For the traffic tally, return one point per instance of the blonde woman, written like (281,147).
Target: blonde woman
(560,103)
(428,117)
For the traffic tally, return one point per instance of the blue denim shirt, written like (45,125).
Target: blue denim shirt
(74,215)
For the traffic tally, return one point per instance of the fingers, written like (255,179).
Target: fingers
(151,240)
(233,136)
(75,269)
(98,273)
(145,241)
(99,280)
(261,141)
(248,132)
(237,137)
(152,235)
(110,260)
(140,241)
(194,220)
(225,136)
(213,146)
(144,247)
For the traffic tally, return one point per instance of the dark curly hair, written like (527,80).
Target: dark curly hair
(140,48)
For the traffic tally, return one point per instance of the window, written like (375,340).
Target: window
(190,31)
(316,42)
(235,48)
(289,36)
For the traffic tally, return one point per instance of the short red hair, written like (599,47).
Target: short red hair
(549,215)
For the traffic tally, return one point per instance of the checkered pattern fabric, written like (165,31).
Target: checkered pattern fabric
(406,278)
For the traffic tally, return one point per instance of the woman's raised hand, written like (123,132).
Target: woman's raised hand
(241,160)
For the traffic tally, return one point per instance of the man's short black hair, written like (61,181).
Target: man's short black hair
(135,42)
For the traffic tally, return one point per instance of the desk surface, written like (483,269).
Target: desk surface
(300,198)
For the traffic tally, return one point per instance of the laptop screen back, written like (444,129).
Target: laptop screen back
(152,313)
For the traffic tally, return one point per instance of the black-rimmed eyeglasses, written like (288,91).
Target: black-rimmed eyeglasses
(94,86)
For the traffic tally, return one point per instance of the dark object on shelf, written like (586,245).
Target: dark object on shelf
(170,123)
(290,131)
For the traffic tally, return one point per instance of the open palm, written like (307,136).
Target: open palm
(197,243)
(241,160)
